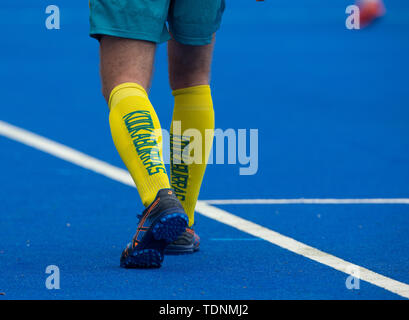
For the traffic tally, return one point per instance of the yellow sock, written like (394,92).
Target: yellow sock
(193,110)
(137,136)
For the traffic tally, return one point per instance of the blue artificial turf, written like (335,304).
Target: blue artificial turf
(331,107)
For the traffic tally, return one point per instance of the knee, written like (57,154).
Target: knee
(188,78)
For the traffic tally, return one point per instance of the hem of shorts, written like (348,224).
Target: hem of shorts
(97,32)
(194,41)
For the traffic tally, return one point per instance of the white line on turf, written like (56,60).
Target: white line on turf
(307,251)
(66,153)
(311,201)
(120,175)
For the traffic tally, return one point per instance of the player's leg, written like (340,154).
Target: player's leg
(189,66)
(192,25)
(189,70)
(127,54)
(125,60)
(126,68)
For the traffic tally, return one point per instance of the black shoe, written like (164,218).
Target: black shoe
(188,242)
(161,223)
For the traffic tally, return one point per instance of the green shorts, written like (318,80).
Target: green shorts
(191,22)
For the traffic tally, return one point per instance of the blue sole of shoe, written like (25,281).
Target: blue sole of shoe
(170,227)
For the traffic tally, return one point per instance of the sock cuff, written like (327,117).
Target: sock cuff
(197,98)
(125,90)
(202,89)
